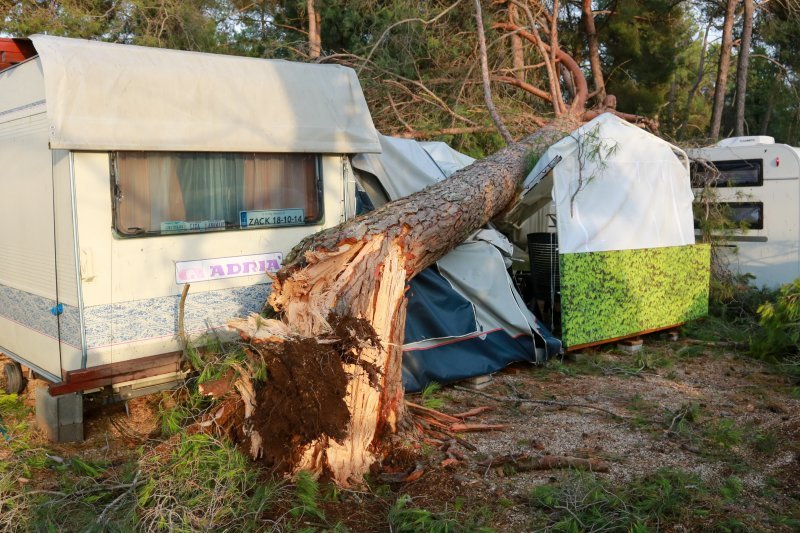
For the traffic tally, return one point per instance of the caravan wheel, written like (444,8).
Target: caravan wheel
(15,381)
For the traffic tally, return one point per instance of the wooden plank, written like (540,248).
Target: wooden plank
(76,386)
(122,367)
(104,375)
(615,339)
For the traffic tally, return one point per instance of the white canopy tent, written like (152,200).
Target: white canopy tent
(615,187)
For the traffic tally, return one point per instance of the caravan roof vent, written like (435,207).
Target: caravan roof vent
(746,141)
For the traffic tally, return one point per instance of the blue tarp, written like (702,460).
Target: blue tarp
(436,311)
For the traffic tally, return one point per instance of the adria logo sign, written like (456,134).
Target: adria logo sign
(226,267)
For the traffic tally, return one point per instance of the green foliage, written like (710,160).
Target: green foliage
(417,62)
(185,25)
(86,468)
(172,419)
(562,368)
(780,323)
(15,505)
(306,495)
(181,407)
(731,489)
(766,443)
(201,483)
(584,502)
(593,152)
(644,41)
(606,295)
(404,518)
(650,361)
(723,434)
(11,406)
(429,398)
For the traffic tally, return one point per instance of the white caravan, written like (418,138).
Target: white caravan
(759,181)
(127,172)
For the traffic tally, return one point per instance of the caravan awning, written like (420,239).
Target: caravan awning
(103,96)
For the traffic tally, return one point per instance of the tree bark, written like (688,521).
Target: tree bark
(534,37)
(693,90)
(360,270)
(743,66)
(314,38)
(594,49)
(487,88)
(517,52)
(581,88)
(722,69)
(765,121)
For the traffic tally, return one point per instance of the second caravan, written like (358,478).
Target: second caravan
(758,181)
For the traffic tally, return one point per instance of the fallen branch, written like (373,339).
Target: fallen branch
(522,462)
(718,344)
(444,131)
(473,412)
(181,331)
(111,507)
(553,403)
(438,415)
(463,428)
(444,435)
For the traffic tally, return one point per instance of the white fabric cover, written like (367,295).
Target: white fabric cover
(104,96)
(406,166)
(640,198)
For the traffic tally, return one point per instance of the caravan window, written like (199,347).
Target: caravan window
(157,193)
(738,173)
(742,215)
(750,214)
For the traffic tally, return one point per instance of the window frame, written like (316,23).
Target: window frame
(115,195)
(720,183)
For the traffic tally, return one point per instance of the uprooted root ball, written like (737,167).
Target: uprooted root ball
(303,397)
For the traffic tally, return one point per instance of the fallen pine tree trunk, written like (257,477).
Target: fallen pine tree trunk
(340,303)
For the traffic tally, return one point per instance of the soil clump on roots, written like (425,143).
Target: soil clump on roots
(303,397)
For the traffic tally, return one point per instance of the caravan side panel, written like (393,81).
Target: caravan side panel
(27,256)
(130,294)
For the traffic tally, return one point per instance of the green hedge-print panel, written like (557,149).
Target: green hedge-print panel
(605,295)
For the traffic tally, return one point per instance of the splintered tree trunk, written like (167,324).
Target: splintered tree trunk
(360,270)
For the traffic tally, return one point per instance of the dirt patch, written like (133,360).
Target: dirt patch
(303,396)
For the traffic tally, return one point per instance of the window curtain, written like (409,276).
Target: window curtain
(282,181)
(212,186)
(148,185)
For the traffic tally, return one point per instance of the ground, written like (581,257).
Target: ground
(695,436)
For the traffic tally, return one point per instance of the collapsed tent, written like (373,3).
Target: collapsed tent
(464,317)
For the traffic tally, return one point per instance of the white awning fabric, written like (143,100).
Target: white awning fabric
(104,96)
(617,187)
